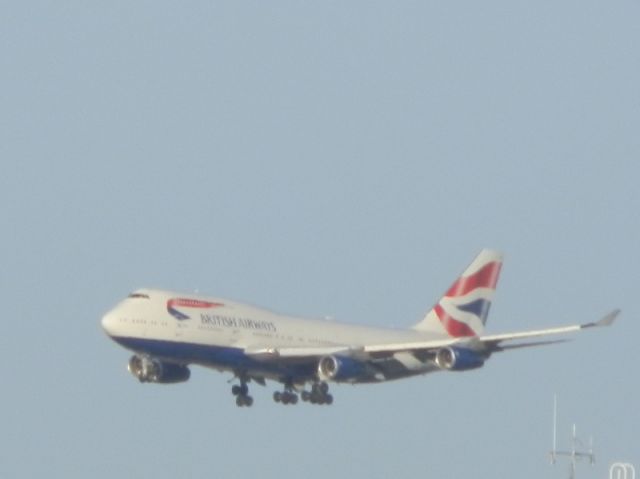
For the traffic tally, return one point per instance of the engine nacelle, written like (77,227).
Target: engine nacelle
(149,370)
(340,368)
(459,359)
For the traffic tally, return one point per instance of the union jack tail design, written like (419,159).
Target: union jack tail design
(463,310)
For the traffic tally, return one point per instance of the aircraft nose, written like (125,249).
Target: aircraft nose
(108,322)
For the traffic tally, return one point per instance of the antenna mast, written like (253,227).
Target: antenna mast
(574,454)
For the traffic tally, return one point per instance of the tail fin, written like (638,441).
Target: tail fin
(463,310)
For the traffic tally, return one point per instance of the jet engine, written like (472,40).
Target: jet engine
(149,370)
(459,359)
(340,368)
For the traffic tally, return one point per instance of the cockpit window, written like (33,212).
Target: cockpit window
(139,295)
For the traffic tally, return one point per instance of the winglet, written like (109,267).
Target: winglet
(605,321)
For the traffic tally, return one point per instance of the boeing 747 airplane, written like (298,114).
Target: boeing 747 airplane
(169,331)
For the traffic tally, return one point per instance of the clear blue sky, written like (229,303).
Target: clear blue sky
(317,158)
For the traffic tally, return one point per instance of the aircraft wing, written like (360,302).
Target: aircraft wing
(488,343)
(363,352)
(493,342)
(495,339)
(299,352)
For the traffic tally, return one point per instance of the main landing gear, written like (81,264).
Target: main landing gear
(285,397)
(241,392)
(319,394)
(288,396)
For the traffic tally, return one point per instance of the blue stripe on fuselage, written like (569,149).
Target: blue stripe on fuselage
(479,307)
(233,359)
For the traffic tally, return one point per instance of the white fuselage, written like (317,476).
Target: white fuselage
(217,332)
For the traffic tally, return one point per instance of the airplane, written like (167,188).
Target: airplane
(170,331)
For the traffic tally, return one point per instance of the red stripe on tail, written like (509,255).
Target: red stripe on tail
(455,328)
(487,277)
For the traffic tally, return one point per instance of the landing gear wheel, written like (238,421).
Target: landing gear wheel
(319,394)
(241,391)
(285,397)
(242,400)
